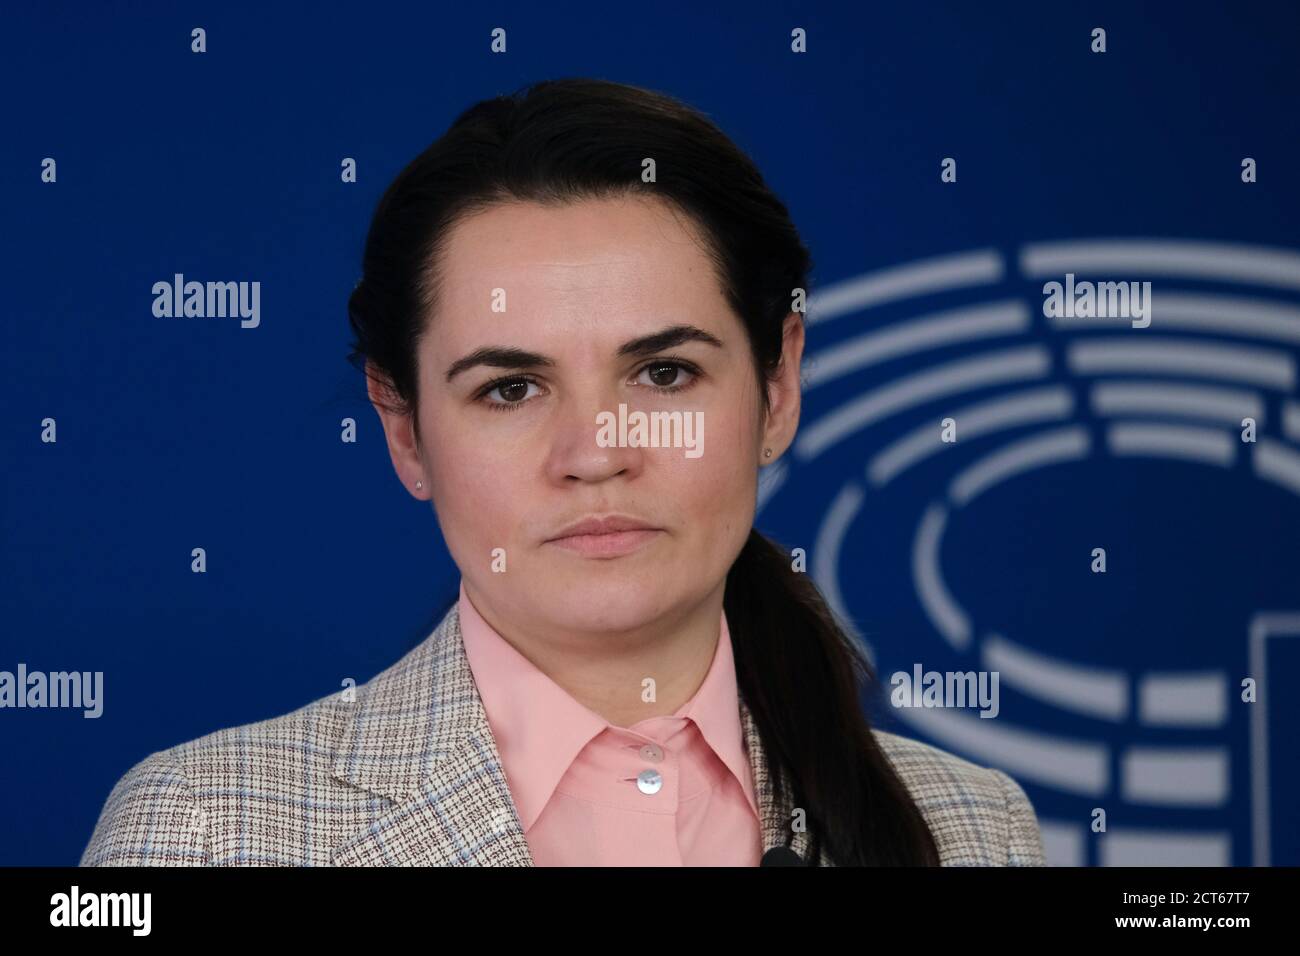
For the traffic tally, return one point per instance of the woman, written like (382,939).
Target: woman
(631,674)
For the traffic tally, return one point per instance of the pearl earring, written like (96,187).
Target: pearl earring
(419,485)
(767,453)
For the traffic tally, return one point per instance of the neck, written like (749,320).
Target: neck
(609,671)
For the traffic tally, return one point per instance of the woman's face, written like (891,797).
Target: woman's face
(511,451)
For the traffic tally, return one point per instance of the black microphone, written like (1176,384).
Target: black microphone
(781,856)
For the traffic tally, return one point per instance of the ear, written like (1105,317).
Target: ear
(784,392)
(399,430)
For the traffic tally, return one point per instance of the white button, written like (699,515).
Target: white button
(649,781)
(652,752)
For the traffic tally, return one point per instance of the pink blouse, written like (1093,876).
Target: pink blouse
(667,791)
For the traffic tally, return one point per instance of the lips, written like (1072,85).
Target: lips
(610,536)
(609,524)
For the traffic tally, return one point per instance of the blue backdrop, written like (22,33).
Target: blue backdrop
(1120,691)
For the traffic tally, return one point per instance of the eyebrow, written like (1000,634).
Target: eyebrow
(498,356)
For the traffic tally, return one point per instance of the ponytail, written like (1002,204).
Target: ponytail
(800,674)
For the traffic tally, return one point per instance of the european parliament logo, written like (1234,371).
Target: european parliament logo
(1075,464)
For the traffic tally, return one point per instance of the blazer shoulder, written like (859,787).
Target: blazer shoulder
(154,814)
(979,816)
(270,791)
(151,818)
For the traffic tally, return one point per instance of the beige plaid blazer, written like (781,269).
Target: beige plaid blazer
(408,774)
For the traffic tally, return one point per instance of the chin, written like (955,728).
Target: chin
(603,601)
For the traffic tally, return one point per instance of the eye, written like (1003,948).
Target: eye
(666,375)
(513,392)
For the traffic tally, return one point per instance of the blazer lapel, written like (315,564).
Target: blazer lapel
(775,818)
(419,738)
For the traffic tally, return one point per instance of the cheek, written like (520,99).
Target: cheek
(476,491)
(717,489)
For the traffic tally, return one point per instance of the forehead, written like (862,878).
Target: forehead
(612,264)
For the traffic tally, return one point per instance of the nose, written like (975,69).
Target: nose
(577,452)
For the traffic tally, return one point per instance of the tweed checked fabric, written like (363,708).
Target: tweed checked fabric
(408,774)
